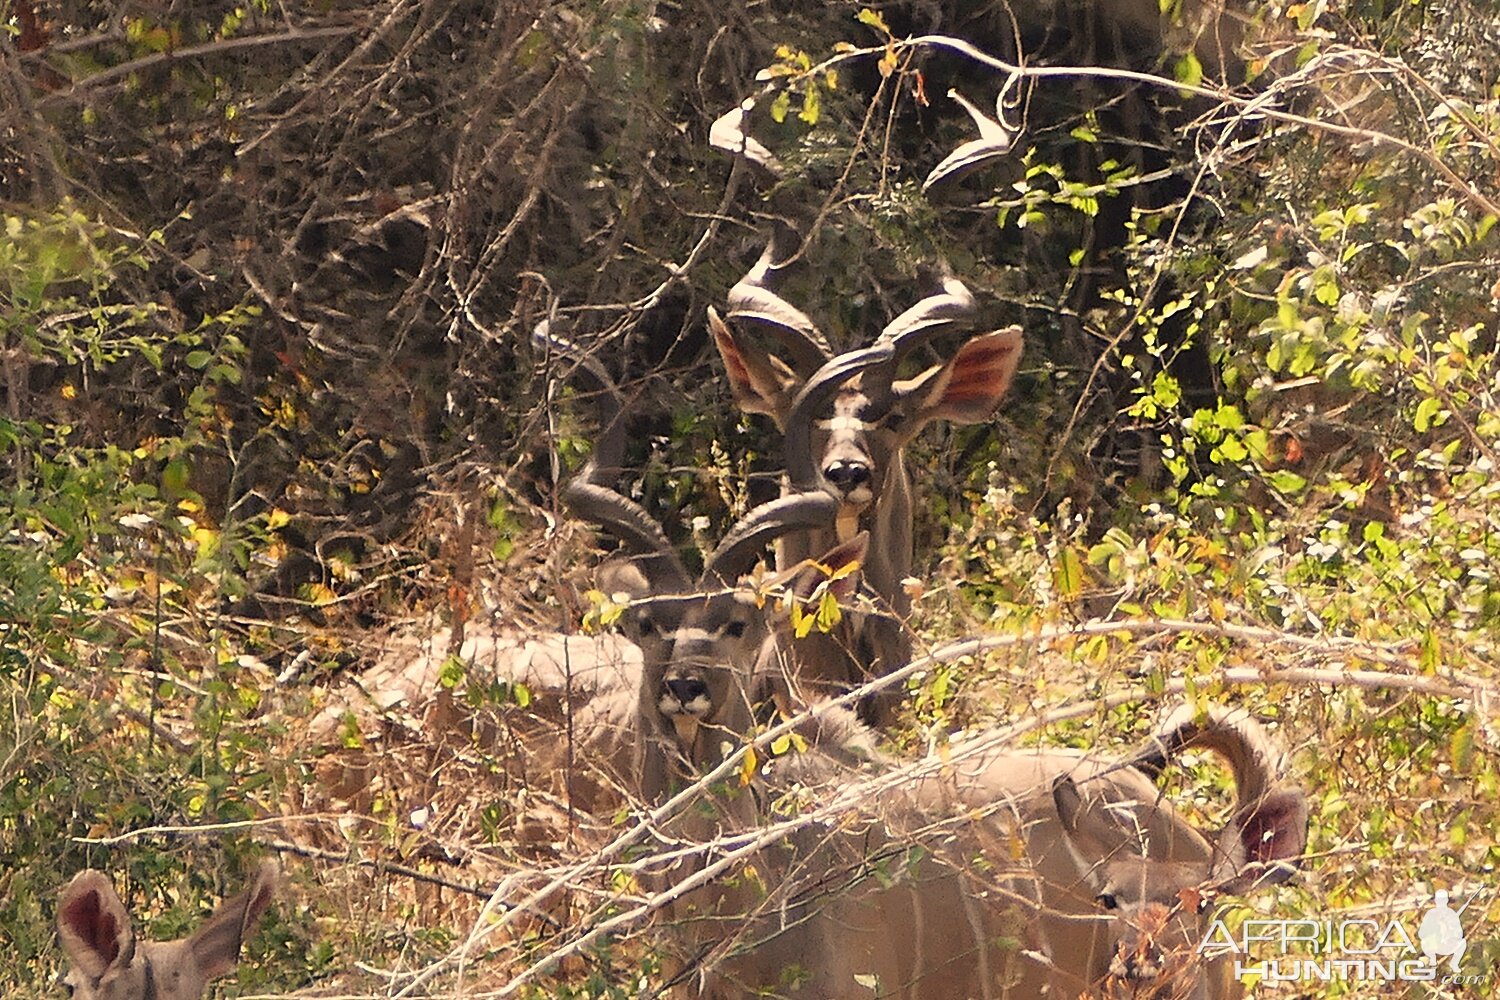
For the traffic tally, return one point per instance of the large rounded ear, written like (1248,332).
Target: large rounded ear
(93,926)
(1089,837)
(1264,842)
(967,389)
(760,382)
(623,576)
(216,944)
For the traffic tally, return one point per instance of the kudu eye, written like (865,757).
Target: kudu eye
(735,630)
(1107,900)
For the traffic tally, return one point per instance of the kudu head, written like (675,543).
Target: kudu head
(109,963)
(700,636)
(1157,906)
(854,413)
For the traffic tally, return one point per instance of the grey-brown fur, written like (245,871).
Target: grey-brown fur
(108,962)
(846,426)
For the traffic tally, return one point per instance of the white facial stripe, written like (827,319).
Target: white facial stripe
(692,634)
(845,424)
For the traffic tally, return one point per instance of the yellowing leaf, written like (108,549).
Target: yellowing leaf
(829,612)
(1431,656)
(780,105)
(872,18)
(747,766)
(812,105)
(317,594)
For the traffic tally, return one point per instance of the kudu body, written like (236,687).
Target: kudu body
(846,421)
(914,888)
(110,963)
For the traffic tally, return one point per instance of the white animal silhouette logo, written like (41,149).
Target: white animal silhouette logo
(1441,934)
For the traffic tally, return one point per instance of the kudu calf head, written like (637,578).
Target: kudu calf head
(700,636)
(109,963)
(1158,906)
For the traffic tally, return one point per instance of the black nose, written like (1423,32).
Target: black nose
(686,690)
(847,475)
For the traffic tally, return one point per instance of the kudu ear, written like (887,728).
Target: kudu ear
(216,944)
(622,576)
(1089,834)
(93,926)
(760,382)
(1264,842)
(968,388)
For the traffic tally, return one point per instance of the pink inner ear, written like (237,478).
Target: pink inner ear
(733,363)
(87,918)
(980,375)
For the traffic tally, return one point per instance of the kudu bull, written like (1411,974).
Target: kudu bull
(109,963)
(846,425)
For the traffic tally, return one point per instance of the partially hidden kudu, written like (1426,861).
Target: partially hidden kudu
(110,963)
(695,633)
(846,420)
(989,872)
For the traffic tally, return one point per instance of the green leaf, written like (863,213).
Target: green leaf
(1188,70)
(1068,573)
(872,19)
(451,673)
(1427,410)
(1286,481)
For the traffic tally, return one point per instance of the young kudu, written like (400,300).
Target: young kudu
(109,963)
(698,636)
(846,421)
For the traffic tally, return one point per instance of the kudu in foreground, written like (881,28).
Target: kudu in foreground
(109,963)
(909,886)
(846,421)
